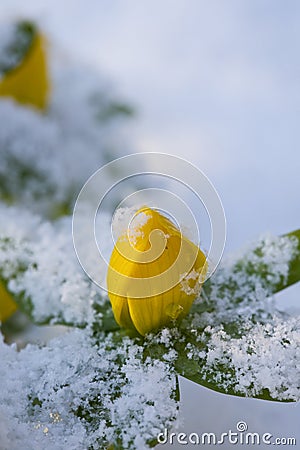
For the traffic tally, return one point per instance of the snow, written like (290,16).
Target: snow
(120,221)
(135,228)
(129,222)
(252,293)
(75,393)
(40,262)
(265,357)
(191,283)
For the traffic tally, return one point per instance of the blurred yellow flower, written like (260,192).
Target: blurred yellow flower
(154,274)
(27,80)
(7,304)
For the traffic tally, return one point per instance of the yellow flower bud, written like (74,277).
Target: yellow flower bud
(7,304)
(28,81)
(154,274)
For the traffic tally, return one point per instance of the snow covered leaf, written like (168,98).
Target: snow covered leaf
(244,284)
(261,363)
(242,359)
(76,393)
(294,265)
(235,341)
(38,266)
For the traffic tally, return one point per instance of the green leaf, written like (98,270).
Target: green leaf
(104,318)
(294,265)
(225,373)
(115,109)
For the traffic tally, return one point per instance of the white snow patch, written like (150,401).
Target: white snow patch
(266,357)
(75,393)
(128,223)
(39,259)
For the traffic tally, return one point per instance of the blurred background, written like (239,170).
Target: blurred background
(217,83)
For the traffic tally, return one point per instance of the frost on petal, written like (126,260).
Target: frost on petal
(191,283)
(129,222)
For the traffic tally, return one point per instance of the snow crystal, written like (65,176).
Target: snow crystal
(165,336)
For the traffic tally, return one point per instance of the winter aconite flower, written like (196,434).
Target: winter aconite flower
(155,273)
(7,304)
(23,65)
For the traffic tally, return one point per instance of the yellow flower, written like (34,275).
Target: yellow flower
(27,81)
(154,274)
(7,304)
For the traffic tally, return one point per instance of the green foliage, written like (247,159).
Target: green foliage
(115,109)
(294,266)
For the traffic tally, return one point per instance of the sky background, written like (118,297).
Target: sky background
(218,84)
